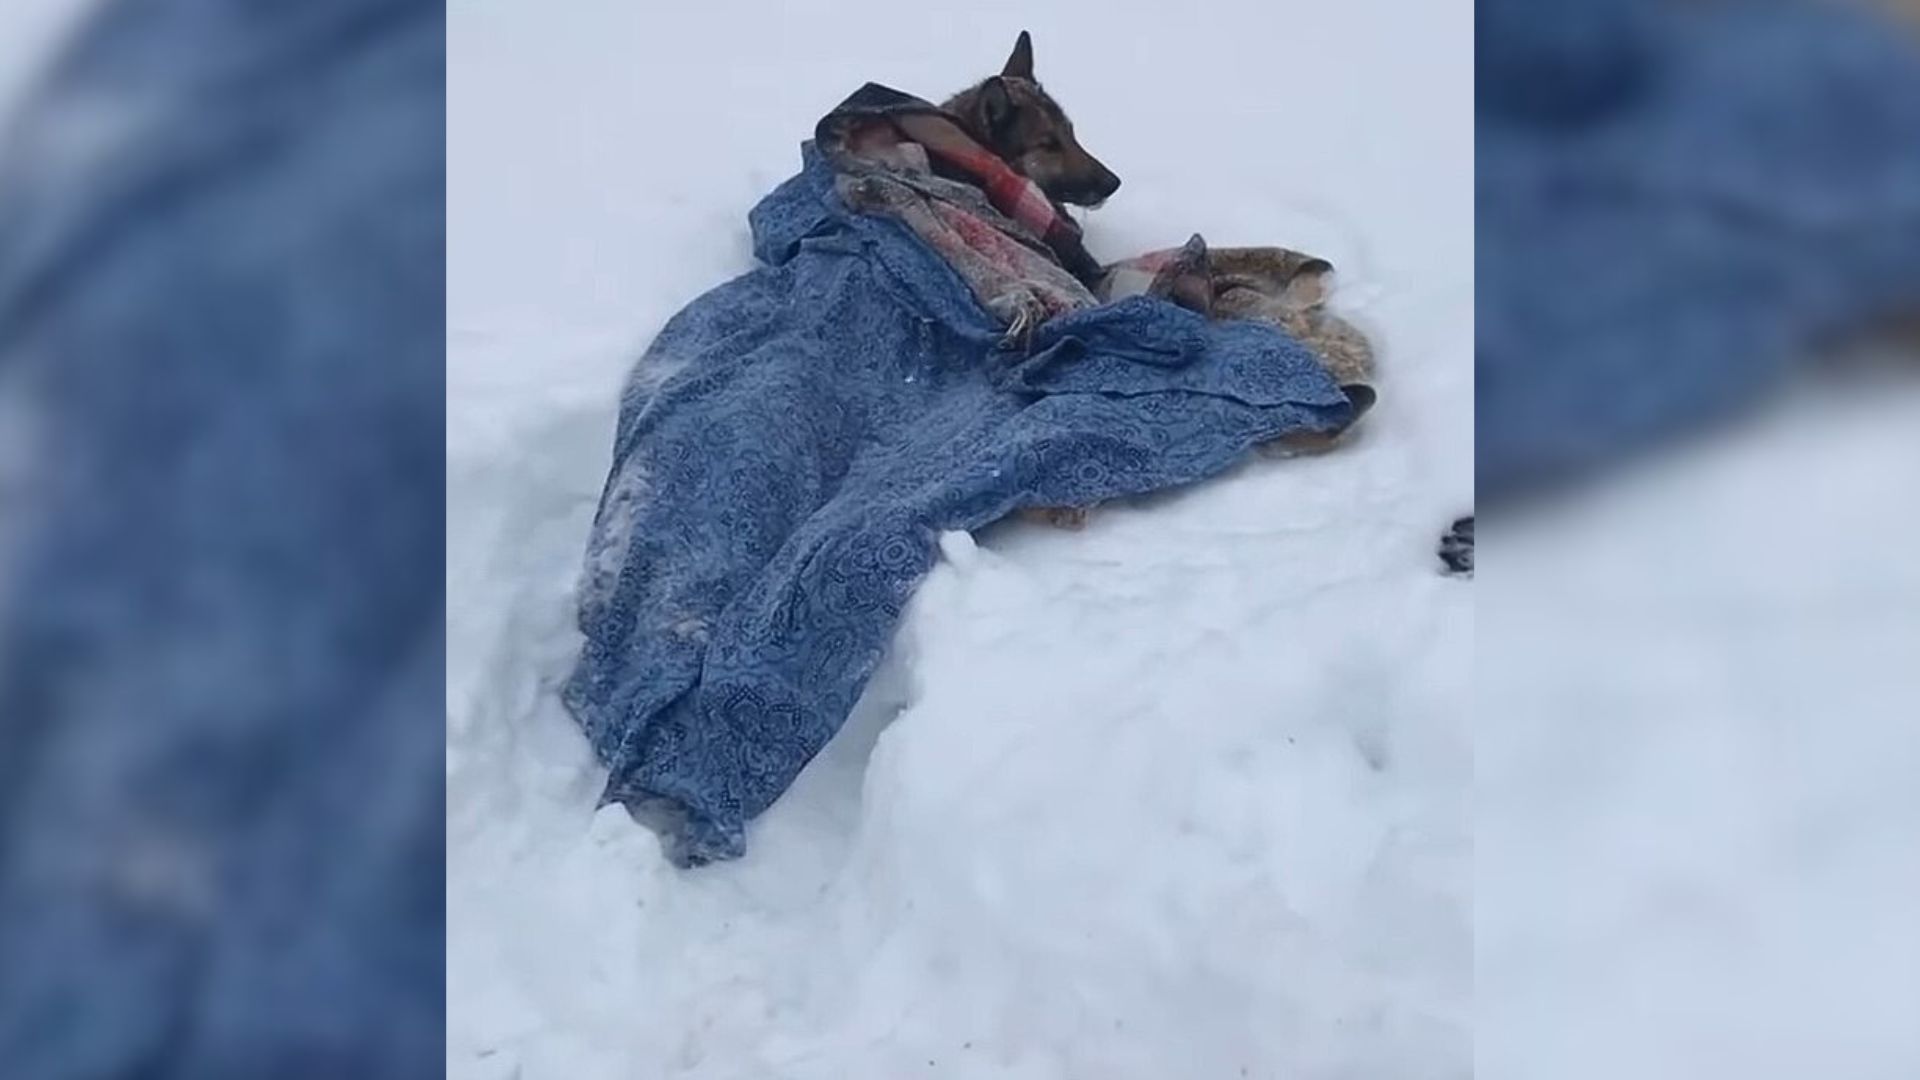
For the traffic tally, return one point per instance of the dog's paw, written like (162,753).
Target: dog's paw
(1456,548)
(1362,396)
(1319,442)
(1059,517)
(1298,444)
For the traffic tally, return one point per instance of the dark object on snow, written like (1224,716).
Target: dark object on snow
(1456,548)
(791,446)
(1675,202)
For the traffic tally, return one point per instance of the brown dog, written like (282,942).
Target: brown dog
(1012,116)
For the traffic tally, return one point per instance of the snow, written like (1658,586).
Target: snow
(1696,817)
(1185,794)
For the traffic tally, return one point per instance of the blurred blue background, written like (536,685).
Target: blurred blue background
(221,373)
(1697,609)
(222,576)
(1679,204)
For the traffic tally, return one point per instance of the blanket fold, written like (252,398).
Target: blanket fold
(793,442)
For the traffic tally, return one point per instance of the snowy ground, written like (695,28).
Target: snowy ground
(1697,830)
(1184,795)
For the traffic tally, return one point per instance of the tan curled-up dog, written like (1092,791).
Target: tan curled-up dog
(1013,117)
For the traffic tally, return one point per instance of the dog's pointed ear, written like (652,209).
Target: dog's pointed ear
(996,108)
(1020,64)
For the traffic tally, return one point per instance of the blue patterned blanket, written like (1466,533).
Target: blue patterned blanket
(789,449)
(222,612)
(1675,202)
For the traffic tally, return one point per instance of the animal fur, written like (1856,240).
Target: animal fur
(1011,115)
(1018,121)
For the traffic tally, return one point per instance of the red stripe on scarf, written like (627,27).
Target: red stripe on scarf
(1010,193)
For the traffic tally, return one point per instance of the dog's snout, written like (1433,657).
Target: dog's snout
(1096,189)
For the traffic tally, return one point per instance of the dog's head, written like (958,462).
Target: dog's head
(1012,116)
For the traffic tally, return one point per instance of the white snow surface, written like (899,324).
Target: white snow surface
(1697,827)
(1187,794)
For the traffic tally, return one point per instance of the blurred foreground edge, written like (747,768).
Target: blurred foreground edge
(1678,205)
(221,541)
(1695,820)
